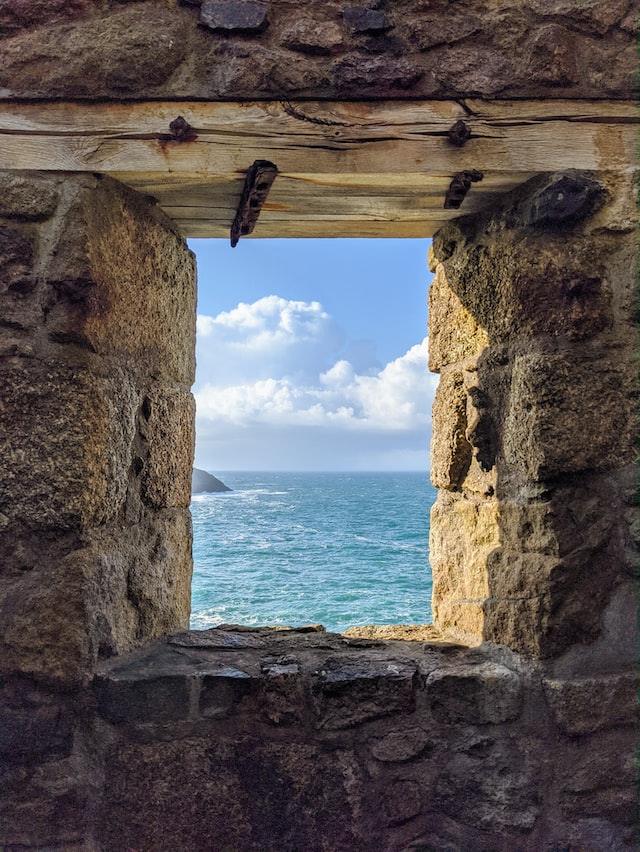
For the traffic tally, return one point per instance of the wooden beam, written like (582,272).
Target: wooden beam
(289,229)
(361,167)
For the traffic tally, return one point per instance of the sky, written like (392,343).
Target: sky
(312,355)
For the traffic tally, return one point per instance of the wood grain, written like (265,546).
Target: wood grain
(345,168)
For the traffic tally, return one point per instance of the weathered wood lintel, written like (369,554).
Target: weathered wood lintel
(345,168)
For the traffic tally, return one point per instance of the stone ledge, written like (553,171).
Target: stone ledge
(333,681)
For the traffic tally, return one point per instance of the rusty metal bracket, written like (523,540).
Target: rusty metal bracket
(459,187)
(459,134)
(179,131)
(260,177)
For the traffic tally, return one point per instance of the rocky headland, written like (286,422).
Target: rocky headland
(204,483)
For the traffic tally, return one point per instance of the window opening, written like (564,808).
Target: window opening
(313,405)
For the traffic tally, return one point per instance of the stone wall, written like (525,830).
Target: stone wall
(275,740)
(256,740)
(97,331)
(271,740)
(533,327)
(282,740)
(256,49)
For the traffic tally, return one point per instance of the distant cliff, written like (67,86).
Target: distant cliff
(203,483)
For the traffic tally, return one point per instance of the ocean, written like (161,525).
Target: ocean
(338,549)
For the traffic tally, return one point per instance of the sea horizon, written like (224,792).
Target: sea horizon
(219,471)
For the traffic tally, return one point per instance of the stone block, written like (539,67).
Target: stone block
(281,698)
(20,296)
(33,722)
(168,427)
(531,527)
(223,689)
(149,277)
(281,780)
(428,30)
(585,705)
(17,15)
(622,269)
(488,693)
(402,801)
(44,629)
(600,761)
(137,51)
(308,35)
(557,571)
(599,504)
(73,602)
(65,436)
(496,790)
(29,197)
(564,199)
(617,645)
(350,691)
(557,294)
(365,20)
(355,74)
(617,804)
(123,284)
(554,58)
(216,638)
(618,216)
(126,700)
(454,333)
(595,833)
(461,619)
(450,450)
(403,745)
(70,293)
(463,533)
(514,575)
(137,581)
(603,14)
(157,559)
(467,66)
(16,261)
(521,624)
(542,604)
(45,802)
(144,802)
(235,16)
(554,399)
(522,283)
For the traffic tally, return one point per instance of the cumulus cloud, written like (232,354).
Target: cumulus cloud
(274,368)
(270,338)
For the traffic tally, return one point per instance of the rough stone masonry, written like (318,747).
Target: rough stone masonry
(255,49)
(511,724)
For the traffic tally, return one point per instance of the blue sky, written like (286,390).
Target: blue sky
(312,355)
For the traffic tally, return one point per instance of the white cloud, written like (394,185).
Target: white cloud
(270,338)
(338,376)
(272,369)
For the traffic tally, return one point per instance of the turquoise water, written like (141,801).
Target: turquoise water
(339,549)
